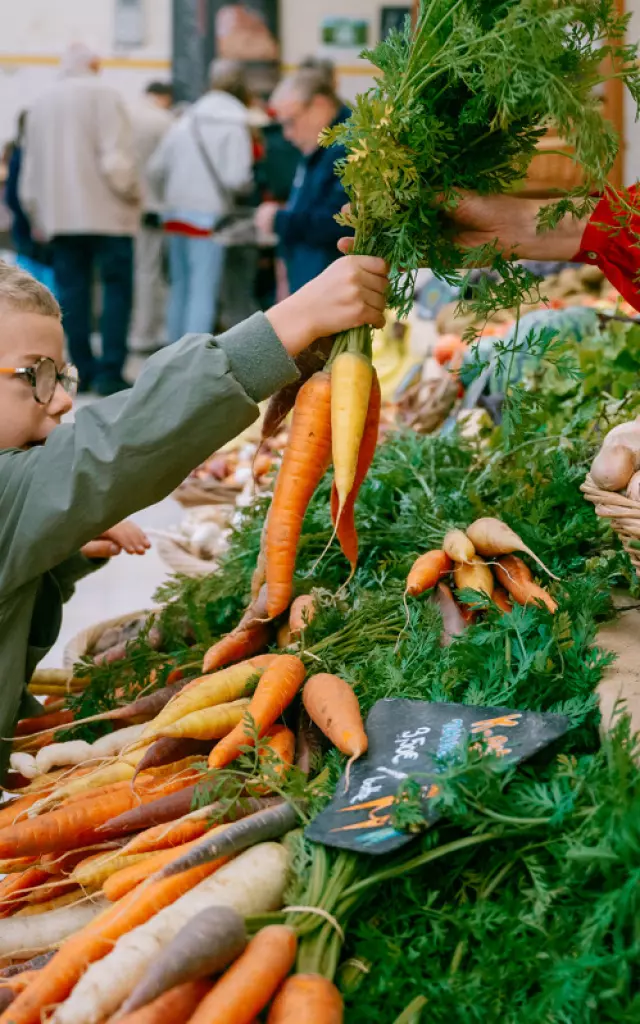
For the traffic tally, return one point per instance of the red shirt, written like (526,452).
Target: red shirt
(616,252)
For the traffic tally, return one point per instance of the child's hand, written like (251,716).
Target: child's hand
(128,537)
(100,549)
(350,293)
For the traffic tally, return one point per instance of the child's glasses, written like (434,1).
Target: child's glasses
(44,378)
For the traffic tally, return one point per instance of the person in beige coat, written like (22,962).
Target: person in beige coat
(151,118)
(80,187)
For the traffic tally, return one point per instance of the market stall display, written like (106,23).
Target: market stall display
(433,867)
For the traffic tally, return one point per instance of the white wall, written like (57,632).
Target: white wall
(36,32)
(300,25)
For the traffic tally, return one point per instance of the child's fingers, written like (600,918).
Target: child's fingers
(345,245)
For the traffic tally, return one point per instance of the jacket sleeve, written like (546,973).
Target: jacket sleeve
(314,225)
(611,241)
(129,451)
(157,167)
(26,187)
(116,151)
(13,176)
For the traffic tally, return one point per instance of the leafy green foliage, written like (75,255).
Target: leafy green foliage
(461,104)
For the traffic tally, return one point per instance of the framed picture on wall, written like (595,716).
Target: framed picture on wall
(393,18)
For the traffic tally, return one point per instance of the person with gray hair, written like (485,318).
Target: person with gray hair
(80,187)
(202,163)
(306,103)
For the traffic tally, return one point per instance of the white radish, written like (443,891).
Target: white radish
(458,547)
(25,764)
(115,742)
(59,755)
(613,467)
(491,537)
(25,937)
(252,883)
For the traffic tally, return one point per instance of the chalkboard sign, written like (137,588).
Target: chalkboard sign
(413,738)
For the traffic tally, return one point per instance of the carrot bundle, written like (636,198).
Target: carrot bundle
(304,463)
(275,691)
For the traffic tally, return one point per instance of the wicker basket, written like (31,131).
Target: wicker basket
(623,514)
(205,492)
(84,641)
(179,559)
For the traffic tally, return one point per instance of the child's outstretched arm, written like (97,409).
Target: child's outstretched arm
(132,449)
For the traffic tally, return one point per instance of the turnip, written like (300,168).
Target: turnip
(613,467)
(491,537)
(458,547)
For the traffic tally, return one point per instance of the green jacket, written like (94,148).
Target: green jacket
(122,454)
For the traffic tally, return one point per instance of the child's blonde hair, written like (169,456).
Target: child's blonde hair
(21,291)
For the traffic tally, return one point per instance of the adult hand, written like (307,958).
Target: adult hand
(265,218)
(510,222)
(350,293)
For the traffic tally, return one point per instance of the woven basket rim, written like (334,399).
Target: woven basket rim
(82,642)
(623,513)
(178,560)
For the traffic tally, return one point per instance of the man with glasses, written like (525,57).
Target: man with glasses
(305,104)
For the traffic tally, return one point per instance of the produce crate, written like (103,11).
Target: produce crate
(623,514)
(85,641)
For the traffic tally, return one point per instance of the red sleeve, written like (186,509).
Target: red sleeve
(611,241)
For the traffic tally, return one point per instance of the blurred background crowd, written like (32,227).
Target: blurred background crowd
(151,216)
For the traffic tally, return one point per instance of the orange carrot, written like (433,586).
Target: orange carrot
(301,613)
(278,748)
(241,643)
(426,571)
(346,526)
(248,985)
(333,706)
(502,600)
(14,809)
(55,981)
(15,888)
(173,1007)
(277,687)
(515,576)
(305,460)
(128,878)
(167,835)
(307,999)
(74,824)
(54,720)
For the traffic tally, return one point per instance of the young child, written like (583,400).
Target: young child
(64,485)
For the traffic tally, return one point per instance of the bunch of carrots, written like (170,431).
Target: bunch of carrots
(103,851)
(481,560)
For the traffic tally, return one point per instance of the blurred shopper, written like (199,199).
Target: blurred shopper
(305,103)
(151,119)
(31,255)
(203,162)
(80,188)
(323,66)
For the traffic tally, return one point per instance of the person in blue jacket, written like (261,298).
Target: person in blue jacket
(305,104)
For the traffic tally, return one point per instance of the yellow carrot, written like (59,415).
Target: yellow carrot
(351,380)
(208,724)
